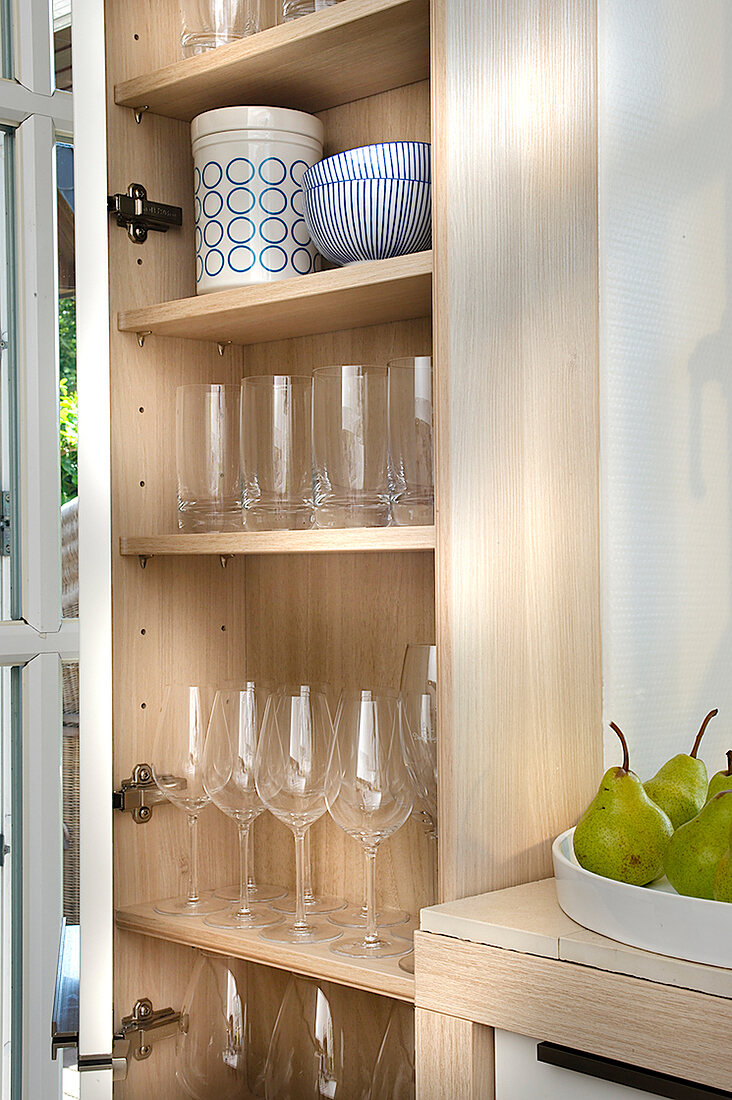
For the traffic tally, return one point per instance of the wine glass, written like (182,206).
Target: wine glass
(228,776)
(369,794)
(393,1076)
(290,765)
(306,1052)
(212,1050)
(418,687)
(178,773)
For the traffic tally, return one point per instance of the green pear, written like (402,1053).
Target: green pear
(698,846)
(722,885)
(622,834)
(679,787)
(721,781)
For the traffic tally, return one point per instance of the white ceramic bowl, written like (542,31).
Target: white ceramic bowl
(369,219)
(653,917)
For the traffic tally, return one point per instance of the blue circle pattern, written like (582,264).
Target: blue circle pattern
(273,230)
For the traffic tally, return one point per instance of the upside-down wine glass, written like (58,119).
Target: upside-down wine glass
(228,776)
(369,794)
(178,773)
(290,766)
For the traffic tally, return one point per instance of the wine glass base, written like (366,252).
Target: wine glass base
(404,932)
(257,892)
(382,948)
(318,931)
(258,917)
(406,963)
(353,916)
(288,904)
(182,907)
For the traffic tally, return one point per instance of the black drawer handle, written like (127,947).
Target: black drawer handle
(633,1077)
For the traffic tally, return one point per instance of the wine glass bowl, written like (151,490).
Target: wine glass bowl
(369,795)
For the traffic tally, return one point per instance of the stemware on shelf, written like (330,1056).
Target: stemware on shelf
(418,687)
(393,1076)
(206,24)
(314,903)
(369,794)
(290,766)
(410,440)
(276,452)
(293,9)
(228,776)
(212,1051)
(207,458)
(178,773)
(350,474)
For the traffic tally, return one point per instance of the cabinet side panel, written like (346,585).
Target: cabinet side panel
(514,130)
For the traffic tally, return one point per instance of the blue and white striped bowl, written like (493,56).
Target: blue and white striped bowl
(402,160)
(369,219)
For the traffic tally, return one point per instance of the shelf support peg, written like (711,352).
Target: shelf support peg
(143,560)
(225,559)
(139,112)
(222,347)
(141,337)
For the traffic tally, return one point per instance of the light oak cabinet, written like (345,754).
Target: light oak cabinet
(507,582)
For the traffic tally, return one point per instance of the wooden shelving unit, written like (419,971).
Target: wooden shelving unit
(349,297)
(316,961)
(354,540)
(297,65)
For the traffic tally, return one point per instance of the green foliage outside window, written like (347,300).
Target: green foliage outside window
(67,396)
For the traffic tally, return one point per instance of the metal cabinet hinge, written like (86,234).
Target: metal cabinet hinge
(135,213)
(135,1038)
(5,525)
(4,849)
(138,794)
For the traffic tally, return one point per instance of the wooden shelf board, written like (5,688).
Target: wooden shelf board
(351,540)
(354,49)
(316,961)
(363,294)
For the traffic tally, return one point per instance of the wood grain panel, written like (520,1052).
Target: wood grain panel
(515,284)
(454,1058)
(363,539)
(612,1015)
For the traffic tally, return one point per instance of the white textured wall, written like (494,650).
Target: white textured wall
(665,123)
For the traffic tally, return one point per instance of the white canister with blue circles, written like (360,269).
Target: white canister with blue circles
(248,169)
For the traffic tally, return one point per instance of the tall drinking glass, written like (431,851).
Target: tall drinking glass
(350,476)
(206,24)
(207,458)
(178,773)
(369,794)
(228,776)
(290,765)
(410,441)
(293,9)
(276,461)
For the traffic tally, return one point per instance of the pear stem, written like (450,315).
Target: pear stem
(624,743)
(729,762)
(702,731)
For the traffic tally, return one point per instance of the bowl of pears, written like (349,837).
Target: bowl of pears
(650,863)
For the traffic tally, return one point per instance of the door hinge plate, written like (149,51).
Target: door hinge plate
(5,525)
(138,794)
(4,849)
(137,214)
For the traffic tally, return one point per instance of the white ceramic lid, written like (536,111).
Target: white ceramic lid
(256,118)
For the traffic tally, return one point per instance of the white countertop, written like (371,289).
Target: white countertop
(528,919)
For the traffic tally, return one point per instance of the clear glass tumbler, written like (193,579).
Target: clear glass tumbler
(350,477)
(276,465)
(410,441)
(207,458)
(293,9)
(206,24)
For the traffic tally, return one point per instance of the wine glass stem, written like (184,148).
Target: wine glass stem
(301,923)
(244,910)
(372,934)
(434,868)
(251,881)
(192,896)
(308,877)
